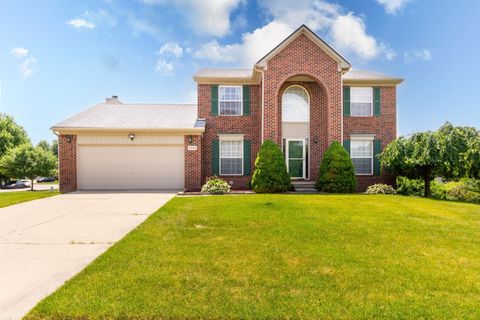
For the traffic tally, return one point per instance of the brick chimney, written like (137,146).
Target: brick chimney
(113,100)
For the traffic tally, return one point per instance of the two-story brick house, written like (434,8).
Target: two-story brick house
(302,95)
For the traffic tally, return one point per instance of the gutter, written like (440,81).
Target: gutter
(73,130)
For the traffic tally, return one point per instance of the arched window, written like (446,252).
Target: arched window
(295,105)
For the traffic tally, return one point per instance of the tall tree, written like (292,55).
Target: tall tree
(54,147)
(450,152)
(43,144)
(11,136)
(454,143)
(26,161)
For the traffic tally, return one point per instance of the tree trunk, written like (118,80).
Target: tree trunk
(427,178)
(31,184)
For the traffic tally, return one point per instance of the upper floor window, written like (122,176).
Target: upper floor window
(295,105)
(230,100)
(361,101)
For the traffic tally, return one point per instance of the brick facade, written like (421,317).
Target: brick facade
(302,57)
(249,125)
(193,160)
(384,127)
(67,159)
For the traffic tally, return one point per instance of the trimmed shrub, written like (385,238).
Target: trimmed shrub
(464,190)
(467,190)
(336,173)
(410,187)
(215,185)
(380,188)
(270,173)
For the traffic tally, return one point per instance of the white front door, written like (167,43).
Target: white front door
(296,158)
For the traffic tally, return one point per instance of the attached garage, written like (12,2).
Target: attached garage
(130,165)
(119,146)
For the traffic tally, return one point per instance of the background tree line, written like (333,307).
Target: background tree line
(19,159)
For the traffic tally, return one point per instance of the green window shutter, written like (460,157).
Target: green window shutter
(376,101)
(346,101)
(346,145)
(214,100)
(246,100)
(215,157)
(377,149)
(247,157)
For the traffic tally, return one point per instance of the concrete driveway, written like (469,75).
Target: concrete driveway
(45,242)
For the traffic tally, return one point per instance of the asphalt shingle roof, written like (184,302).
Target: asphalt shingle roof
(130,116)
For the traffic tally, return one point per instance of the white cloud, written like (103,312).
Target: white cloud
(81,24)
(393,6)
(207,17)
(19,52)
(26,67)
(253,47)
(417,54)
(171,48)
(164,67)
(346,31)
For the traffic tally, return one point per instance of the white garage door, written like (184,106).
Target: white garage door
(130,167)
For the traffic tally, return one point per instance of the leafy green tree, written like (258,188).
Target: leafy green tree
(336,173)
(450,152)
(43,144)
(414,157)
(26,161)
(471,159)
(11,135)
(454,143)
(54,147)
(270,173)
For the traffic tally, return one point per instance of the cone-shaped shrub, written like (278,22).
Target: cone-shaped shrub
(270,173)
(336,173)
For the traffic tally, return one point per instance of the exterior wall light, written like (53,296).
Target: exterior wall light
(68,137)
(190,140)
(131,136)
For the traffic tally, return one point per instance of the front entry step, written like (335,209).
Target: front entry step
(304,186)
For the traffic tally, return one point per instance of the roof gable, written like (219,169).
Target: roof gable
(343,64)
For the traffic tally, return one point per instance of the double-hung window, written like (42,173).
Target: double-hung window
(361,101)
(231,157)
(230,101)
(361,152)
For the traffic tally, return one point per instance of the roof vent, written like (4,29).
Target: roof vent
(113,100)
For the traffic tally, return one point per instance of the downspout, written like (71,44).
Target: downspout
(341,107)
(263,104)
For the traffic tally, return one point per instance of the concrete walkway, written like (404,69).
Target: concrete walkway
(45,242)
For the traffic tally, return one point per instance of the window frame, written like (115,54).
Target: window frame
(370,139)
(234,138)
(372,102)
(308,104)
(220,87)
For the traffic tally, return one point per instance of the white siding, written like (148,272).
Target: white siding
(123,139)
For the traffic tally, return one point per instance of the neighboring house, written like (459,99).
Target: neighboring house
(303,95)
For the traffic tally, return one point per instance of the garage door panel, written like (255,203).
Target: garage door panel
(130,167)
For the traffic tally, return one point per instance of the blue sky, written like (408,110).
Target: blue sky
(59,57)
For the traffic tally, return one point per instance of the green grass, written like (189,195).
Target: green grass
(285,256)
(11,198)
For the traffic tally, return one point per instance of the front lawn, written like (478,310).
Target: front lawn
(11,198)
(285,256)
